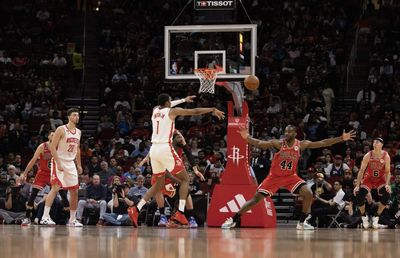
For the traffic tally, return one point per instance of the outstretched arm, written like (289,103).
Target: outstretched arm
(180,101)
(32,162)
(258,143)
(189,156)
(329,141)
(195,112)
(145,160)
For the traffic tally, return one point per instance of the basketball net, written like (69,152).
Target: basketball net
(207,77)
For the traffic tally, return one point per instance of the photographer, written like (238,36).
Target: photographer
(15,208)
(121,203)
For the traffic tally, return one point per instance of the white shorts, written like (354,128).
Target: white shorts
(163,157)
(68,179)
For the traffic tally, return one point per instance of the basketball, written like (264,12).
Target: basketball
(251,82)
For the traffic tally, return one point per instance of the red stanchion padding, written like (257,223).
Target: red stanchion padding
(236,184)
(237,169)
(228,199)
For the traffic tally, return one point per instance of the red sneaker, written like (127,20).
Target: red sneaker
(133,215)
(180,218)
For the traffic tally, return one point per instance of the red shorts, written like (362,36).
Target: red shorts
(41,180)
(272,183)
(370,184)
(169,186)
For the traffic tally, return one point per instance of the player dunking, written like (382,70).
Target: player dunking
(376,165)
(64,171)
(283,172)
(42,177)
(163,156)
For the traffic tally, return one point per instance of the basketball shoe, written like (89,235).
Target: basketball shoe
(133,215)
(180,218)
(47,221)
(163,221)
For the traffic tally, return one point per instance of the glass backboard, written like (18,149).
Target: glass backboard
(232,47)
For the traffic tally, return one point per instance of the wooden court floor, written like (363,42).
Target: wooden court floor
(285,242)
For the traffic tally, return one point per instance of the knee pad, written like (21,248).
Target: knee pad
(362,193)
(385,196)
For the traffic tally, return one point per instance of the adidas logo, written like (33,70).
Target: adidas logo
(234,205)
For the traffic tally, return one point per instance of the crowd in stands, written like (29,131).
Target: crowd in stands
(303,49)
(375,114)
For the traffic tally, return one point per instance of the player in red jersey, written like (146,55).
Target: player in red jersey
(376,165)
(42,177)
(283,172)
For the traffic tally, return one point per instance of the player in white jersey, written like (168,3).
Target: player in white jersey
(162,154)
(66,164)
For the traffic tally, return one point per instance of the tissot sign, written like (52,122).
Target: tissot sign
(214,5)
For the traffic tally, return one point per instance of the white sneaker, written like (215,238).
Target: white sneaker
(74,223)
(47,221)
(26,222)
(299,226)
(307,226)
(365,222)
(375,221)
(228,224)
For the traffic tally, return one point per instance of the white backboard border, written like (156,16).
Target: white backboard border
(208,28)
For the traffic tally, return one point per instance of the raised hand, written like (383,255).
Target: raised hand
(218,113)
(243,132)
(349,136)
(190,99)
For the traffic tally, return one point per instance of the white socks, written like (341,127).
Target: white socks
(182,204)
(72,215)
(141,204)
(46,213)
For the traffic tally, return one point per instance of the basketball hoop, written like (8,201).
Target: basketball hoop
(207,79)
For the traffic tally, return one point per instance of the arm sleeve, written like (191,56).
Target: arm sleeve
(189,155)
(177,102)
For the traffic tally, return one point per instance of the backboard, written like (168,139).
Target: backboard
(232,47)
